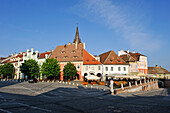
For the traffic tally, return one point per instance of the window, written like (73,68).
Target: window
(111,60)
(99,68)
(111,68)
(65,57)
(62,52)
(131,65)
(87,60)
(106,68)
(86,68)
(92,68)
(78,66)
(119,69)
(75,56)
(124,68)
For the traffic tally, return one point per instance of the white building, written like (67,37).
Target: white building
(113,64)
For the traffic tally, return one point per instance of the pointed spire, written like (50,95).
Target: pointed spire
(77,38)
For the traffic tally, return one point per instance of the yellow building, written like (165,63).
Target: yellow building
(159,72)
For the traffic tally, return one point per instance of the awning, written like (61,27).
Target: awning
(92,77)
(137,74)
(123,76)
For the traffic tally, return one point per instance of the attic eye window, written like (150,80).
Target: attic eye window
(65,57)
(87,60)
(56,57)
(73,51)
(111,60)
(75,56)
(62,51)
(93,60)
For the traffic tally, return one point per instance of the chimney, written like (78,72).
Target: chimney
(46,56)
(12,54)
(27,51)
(69,43)
(127,50)
(84,45)
(36,52)
(50,50)
(156,65)
(21,52)
(133,52)
(32,50)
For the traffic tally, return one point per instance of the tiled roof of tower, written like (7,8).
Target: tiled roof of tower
(158,70)
(111,58)
(89,59)
(127,58)
(42,55)
(68,53)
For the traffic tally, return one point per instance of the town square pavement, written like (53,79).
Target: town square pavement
(24,97)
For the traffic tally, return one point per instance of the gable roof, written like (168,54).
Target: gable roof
(158,70)
(89,59)
(68,53)
(111,57)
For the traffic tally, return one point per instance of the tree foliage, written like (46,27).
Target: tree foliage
(69,70)
(30,68)
(50,68)
(7,70)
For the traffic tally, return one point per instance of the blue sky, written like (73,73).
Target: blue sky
(104,25)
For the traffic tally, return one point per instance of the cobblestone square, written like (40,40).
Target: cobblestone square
(58,97)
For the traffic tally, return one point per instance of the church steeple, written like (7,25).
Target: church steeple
(77,38)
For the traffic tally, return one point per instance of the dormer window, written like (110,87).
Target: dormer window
(73,51)
(75,56)
(62,52)
(65,57)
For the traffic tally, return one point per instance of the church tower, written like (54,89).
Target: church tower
(77,38)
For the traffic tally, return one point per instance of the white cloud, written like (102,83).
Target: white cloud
(120,20)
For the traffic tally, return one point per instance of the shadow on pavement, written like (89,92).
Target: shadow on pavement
(84,100)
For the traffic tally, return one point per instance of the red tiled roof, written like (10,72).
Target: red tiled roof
(111,57)
(136,56)
(42,55)
(104,56)
(158,70)
(14,61)
(68,53)
(89,59)
(127,58)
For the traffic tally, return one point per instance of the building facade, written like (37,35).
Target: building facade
(113,64)
(137,61)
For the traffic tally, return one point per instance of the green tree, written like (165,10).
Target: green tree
(50,68)
(69,70)
(30,68)
(7,70)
